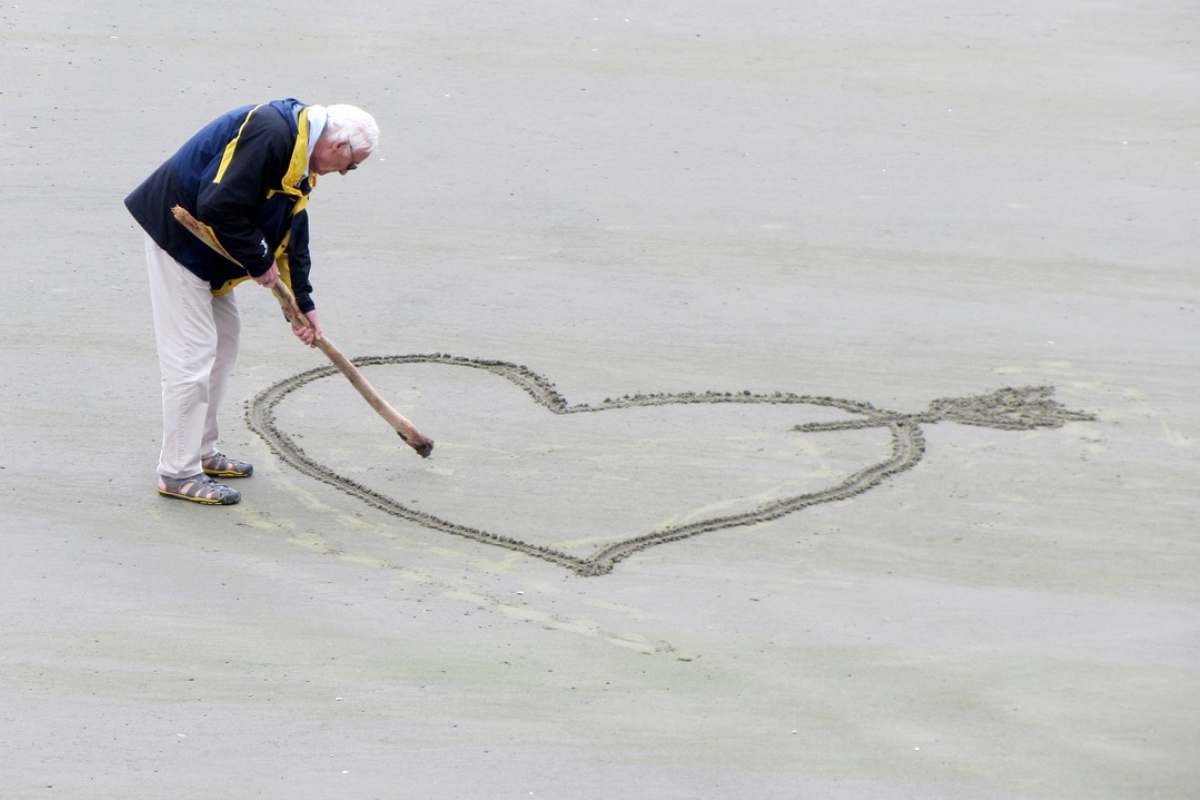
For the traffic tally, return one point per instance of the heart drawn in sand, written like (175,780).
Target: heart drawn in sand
(1022,408)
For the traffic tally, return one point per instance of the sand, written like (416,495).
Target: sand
(709,521)
(1026,408)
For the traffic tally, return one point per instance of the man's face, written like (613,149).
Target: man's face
(329,156)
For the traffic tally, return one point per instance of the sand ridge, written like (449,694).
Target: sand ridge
(1010,408)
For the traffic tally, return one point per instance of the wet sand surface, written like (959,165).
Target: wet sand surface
(838,213)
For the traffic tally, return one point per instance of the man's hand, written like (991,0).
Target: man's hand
(310,334)
(269,277)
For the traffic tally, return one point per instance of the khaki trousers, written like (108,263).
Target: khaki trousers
(197,337)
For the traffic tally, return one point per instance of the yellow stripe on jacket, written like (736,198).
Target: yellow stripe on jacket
(227,156)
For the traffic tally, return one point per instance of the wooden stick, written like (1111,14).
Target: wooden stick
(287,301)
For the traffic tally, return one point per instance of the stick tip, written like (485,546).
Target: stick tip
(422,445)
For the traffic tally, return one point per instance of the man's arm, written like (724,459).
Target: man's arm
(299,262)
(298,265)
(228,203)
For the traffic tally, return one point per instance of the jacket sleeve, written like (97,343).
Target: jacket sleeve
(228,203)
(299,262)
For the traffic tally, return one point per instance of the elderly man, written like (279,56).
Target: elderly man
(246,176)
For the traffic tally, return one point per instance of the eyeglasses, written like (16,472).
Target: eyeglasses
(351,166)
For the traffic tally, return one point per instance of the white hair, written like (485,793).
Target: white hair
(351,124)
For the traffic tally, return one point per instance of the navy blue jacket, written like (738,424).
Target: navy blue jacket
(242,175)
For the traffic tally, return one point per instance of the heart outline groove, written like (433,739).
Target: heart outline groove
(1009,408)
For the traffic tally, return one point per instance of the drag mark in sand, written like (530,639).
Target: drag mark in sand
(1023,408)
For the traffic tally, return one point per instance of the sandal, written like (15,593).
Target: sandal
(220,465)
(198,489)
